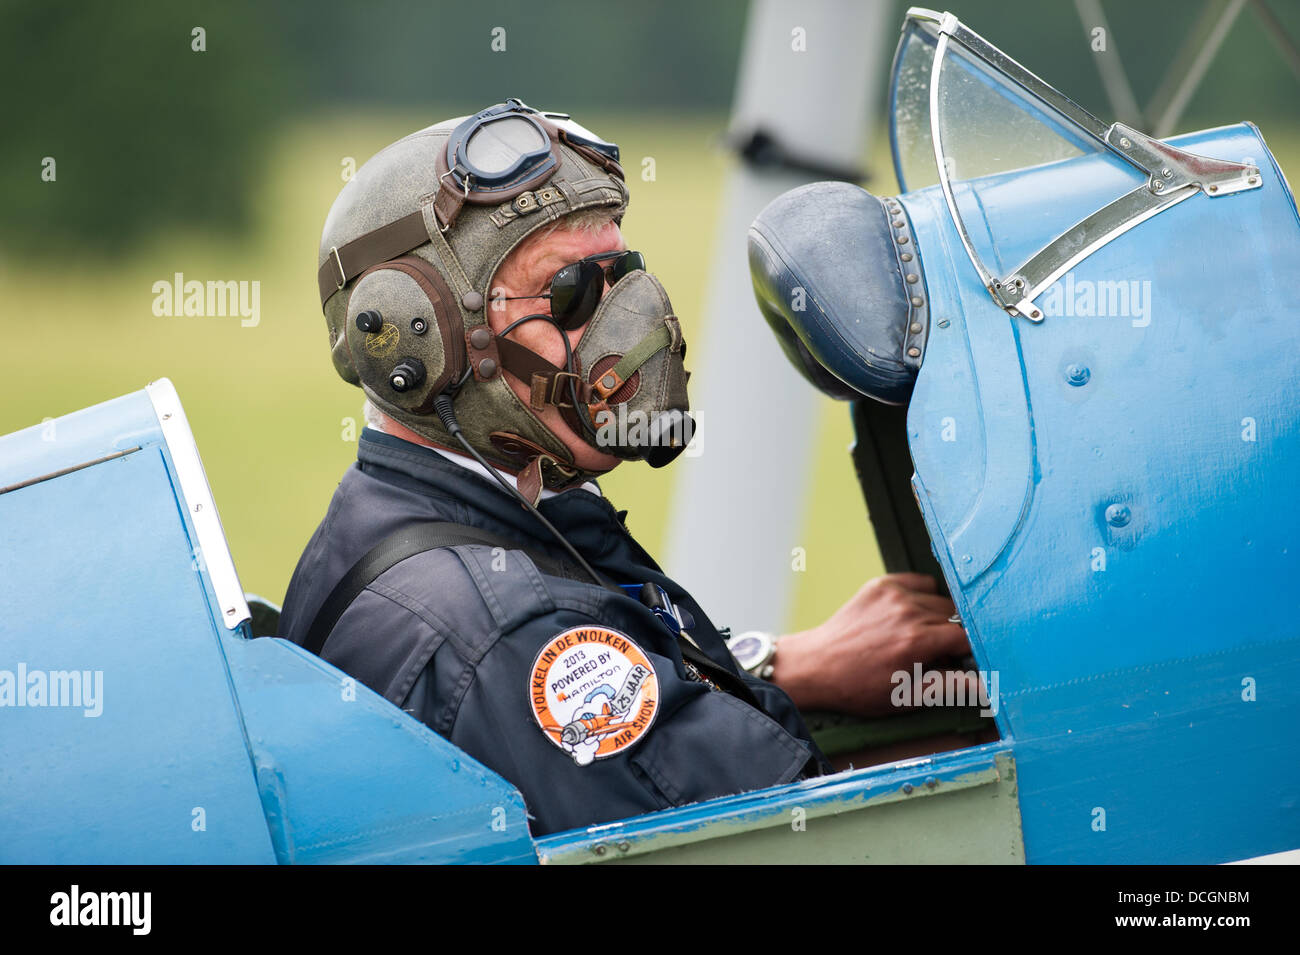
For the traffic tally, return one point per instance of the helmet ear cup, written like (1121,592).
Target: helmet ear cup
(401,317)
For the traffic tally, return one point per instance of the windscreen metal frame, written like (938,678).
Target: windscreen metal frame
(1172,175)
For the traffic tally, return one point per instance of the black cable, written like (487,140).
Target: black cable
(527,318)
(573,388)
(443,406)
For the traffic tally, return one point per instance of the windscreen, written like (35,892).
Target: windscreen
(1020,170)
(909,124)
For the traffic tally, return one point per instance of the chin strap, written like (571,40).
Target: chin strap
(550,385)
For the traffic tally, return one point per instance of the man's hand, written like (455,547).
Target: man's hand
(846,664)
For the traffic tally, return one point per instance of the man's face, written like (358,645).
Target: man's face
(528,271)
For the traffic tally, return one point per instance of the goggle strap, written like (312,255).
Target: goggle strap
(379,245)
(449,201)
(443,250)
(589,153)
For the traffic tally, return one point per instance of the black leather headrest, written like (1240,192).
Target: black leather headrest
(826,264)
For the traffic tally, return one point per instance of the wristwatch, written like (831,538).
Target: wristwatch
(755,651)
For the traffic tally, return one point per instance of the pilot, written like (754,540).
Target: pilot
(512,350)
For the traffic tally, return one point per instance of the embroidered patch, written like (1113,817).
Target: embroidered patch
(593,692)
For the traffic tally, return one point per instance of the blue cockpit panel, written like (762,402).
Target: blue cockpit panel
(136,753)
(1111,494)
(139,724)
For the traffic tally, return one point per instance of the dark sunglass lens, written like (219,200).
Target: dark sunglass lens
(625,263)
(575,290)
(566,287)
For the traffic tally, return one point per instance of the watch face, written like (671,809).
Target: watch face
(749,649)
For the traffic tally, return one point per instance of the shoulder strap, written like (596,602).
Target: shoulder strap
(398,546)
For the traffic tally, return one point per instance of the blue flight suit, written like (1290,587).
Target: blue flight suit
(451,635)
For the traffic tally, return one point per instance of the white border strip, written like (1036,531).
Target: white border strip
(1287,857)
(214,552)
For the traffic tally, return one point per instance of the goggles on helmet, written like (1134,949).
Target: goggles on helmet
(492,157)
(499,149)
(505,150)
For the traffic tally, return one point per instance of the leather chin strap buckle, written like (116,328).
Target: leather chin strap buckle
(558,388)
(544,472)
(545,381)
(549,389)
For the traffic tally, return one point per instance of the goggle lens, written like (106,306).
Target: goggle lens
(503,145)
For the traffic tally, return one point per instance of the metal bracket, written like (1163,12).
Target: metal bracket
(1172,176)
(1017,292)
(1168,167)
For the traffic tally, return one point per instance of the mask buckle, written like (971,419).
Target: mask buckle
(583,389)
(546,389)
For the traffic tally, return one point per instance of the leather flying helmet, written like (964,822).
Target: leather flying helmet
(406,256)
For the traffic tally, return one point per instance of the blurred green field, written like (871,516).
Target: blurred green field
(277,428)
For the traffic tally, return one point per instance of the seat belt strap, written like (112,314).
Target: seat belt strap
(398,546)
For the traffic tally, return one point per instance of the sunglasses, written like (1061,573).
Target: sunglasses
(576,288)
